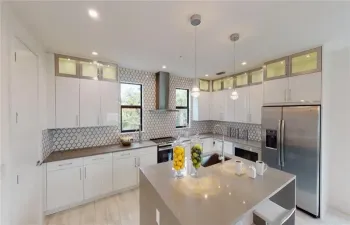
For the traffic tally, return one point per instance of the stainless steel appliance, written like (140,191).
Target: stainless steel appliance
(165,149)
(291,142)
(248,153)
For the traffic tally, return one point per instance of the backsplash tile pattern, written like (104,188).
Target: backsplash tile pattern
(254,130)
(155,124)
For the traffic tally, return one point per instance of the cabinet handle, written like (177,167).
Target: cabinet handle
(135,162)
(124,154)
(16,117)
(98,120)
(77,120)
(80,173)
(97,159)
(65,164)
(290,95)
(285,95)
(138,164)
(17,179)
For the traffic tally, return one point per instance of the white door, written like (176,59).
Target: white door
(275,91)
(67,102)
(98,179)
(124,173)
(64,187)
(26,178)
(201,107)
(242,105)
(89,103)
(305,88)
(109,103)
(207,145)
(255,103)
(230,107)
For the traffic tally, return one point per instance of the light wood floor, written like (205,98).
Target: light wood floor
(123,209)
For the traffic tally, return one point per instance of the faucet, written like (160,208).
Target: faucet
(223,143)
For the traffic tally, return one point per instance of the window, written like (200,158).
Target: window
(182,104)
(131,106)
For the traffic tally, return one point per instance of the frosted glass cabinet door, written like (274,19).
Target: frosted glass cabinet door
(109,92)
(67,102)
(109,72)
(89,103)
(66,66)
(276,69)
(89,70)
(275,91)
(306,62)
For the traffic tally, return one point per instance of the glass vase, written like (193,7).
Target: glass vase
(178,159)
(196,155)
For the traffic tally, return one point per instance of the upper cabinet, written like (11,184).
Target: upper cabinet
(89,70)
(217,85)
(242,80)
(306,62)
(228,82)
(204,85)
(109,72)
(276,69)
(256,76)
(66,66)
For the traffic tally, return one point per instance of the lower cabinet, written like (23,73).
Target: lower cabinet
(207,145)
(228,147)
(125,173)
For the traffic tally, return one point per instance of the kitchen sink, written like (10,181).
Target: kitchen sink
(213,159)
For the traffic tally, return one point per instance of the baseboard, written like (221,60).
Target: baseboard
(49,212)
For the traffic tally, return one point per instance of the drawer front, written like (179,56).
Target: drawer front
(64,164)
(148,150)
(98,158)
(124,154)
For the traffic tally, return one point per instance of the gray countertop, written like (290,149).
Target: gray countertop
(217,196)
(77,153)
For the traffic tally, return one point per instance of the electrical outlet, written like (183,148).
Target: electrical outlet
(157,217)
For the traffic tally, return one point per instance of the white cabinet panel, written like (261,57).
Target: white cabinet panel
(255,103)
(230,107)
(124,173)
(98,179)
(109,92)
(305,88)
(242,105)
(89,103)
(215,106)
(207,145)
(201,107)
(275,91)
(67,102)
(228,147)
(64,187)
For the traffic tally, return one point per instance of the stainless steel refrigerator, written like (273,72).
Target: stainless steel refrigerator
(291,140)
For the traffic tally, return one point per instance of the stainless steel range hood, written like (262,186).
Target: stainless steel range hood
(162,92)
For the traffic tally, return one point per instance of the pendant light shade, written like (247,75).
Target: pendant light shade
(195,92)
(234,37)
(234,95)
(195,21)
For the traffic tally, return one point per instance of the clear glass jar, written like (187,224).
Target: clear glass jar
(196,154)
(179,158)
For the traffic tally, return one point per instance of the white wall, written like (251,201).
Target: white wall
(11,28)
(335,180)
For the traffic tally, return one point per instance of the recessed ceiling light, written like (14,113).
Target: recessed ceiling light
(164,66)
(244,63)
(68,58)
(93,13)
(94,53)
(206,75)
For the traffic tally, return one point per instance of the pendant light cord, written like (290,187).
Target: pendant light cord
(195,54)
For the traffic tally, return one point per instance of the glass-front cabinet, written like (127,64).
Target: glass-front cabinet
(276,69)
(66,66)
(217,85)
(228,82)
(256,76)
(306,62)
(89,69)
(204,85)
(109,72)
(241,79)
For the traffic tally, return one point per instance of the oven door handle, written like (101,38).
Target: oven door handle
(164,148)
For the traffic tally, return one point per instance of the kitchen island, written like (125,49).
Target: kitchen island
(217,197)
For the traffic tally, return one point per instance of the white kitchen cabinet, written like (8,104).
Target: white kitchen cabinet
(98,178)
(201,107)
(125,172)
(89,103)
(207,145)
(305,88)
(275,91)
(67,102)
(255,103)
(242,105)
(147,160)
(109,92)
(218,105)
(230,106)
(188,150)
(64,187)
(228,147)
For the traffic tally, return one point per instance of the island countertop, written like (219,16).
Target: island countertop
(218,195)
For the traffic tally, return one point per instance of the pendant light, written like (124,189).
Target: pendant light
(234,37)
(195,21)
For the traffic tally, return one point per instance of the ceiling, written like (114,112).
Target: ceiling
(147,35)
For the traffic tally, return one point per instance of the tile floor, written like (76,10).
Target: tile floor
(122,209)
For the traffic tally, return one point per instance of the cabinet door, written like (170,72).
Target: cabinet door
(305,88)
(228,148)
(214,106)
(124,173)
(201,107)
(109,92)
(222,95)
(207,145)
(148,160)
(89,103)
(276,69)
(242,105)
(255,103)
(98,179)
(67,102)
(64,187)
(275,91)
(230,107)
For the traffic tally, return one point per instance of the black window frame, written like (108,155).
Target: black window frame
(130,107)
(184,107)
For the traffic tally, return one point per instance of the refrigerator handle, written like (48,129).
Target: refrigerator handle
(279,143)
(282,143)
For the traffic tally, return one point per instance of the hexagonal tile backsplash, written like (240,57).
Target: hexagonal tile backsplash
(155,124)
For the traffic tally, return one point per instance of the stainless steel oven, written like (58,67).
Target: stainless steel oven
(165,153)
(247,152)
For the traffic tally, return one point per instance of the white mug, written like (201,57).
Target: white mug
(239,167)
(261,167)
